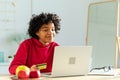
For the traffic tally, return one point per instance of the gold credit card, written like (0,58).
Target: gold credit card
(42,66)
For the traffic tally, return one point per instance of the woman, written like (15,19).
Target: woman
(39,48)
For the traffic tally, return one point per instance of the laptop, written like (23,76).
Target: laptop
(70,61)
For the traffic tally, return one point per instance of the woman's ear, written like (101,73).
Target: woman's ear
(37,33)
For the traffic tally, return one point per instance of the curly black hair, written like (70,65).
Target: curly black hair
(37,21)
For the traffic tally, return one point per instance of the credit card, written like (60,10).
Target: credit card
(42,66)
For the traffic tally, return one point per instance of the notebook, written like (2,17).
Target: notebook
(70,61)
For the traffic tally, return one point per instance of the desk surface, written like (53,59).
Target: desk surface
(6,77)
(87,77)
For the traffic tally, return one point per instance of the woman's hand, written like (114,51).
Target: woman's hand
(34,68)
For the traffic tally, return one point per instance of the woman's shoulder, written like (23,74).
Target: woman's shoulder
(27,41)
(54,43)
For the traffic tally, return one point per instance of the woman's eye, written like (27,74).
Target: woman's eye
(46,30)
(53,29)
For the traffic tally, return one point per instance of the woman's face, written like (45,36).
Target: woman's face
(46,33)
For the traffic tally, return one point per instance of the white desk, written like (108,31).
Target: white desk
(6,77)
(88,77)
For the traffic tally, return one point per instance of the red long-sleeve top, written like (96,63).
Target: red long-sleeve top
(31,52)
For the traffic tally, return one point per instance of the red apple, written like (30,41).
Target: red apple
(23,74)
(35,74)
(21,67)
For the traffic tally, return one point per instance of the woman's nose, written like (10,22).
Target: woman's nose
(50,32)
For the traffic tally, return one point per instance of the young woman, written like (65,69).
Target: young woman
(39,48)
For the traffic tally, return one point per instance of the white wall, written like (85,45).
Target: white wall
(15,30)
(73,25)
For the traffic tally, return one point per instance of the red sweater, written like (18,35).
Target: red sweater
(32,51)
